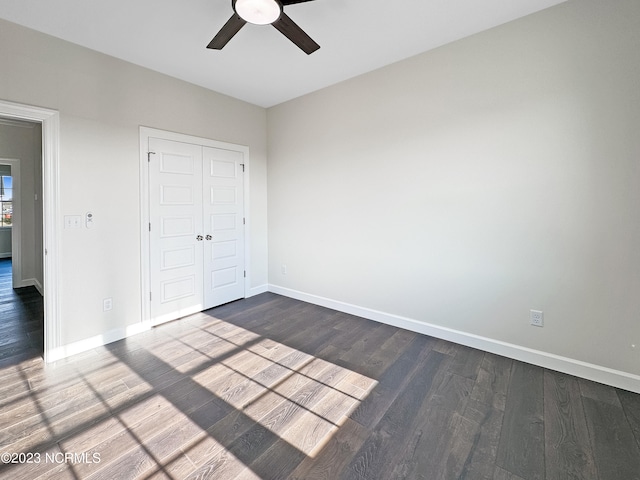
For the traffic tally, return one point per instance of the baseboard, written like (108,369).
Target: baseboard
(32,282)
(257,290)
(5,255)
(597,373)
(114,335)
(38,285)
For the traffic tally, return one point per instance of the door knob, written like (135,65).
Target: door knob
(199,238)
(208,237)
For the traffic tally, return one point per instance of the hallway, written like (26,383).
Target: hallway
(21,319)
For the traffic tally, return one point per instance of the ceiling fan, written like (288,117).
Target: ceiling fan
(264,12)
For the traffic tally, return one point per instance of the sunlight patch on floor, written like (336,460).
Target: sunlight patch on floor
(300,398)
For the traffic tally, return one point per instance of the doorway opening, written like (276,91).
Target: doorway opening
(21,302)
(48,221)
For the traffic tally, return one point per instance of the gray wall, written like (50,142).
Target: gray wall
(467,185)
(102,103)
(461,187)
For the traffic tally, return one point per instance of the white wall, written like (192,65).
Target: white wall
(459,188)
(102,102)
(23,141)
(465,186)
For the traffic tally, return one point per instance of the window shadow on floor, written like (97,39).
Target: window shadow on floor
(205,395)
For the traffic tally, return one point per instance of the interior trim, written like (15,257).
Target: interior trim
(81,346)
(578,368)
(16,227)
(145,134)
(50,120)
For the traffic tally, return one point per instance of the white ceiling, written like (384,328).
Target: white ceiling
(260,65)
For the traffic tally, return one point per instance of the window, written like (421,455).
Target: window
(6,201)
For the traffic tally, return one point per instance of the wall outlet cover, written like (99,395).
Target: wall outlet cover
(536,318)
(107,304)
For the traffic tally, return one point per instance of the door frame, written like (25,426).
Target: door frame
(16,224)
(50,120)
(145,265)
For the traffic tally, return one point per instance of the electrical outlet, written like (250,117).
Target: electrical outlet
(107,304)
(536,318)
(283,269)
(72,221)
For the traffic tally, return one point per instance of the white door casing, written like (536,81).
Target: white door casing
(196,218)
(52,217)
(16,230)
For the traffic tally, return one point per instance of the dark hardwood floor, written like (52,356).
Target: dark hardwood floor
(21,319)
(274,388)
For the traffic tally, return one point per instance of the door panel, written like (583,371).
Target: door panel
(197,228)
(175,208)
(223,217)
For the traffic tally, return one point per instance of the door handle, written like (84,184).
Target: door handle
(208,237)
(199,238)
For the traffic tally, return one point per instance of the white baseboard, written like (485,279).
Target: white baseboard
(5,255)
(94,342)
(38,285)
(258,290)
(578,368)
(32,282)
(113,335)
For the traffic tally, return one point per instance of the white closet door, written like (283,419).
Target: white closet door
(175,212)
(196,211)
(223,226)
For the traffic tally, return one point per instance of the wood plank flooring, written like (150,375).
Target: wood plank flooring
(274,388)
(21,318)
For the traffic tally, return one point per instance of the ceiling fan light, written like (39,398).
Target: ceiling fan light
(258,12)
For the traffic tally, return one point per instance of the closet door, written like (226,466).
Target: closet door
(196,236)
(223,226)
(176,230)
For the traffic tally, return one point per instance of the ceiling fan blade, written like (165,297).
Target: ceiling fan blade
(291,2)
(294,33)
(226,33)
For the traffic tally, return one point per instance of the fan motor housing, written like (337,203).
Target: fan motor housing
(258,12)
